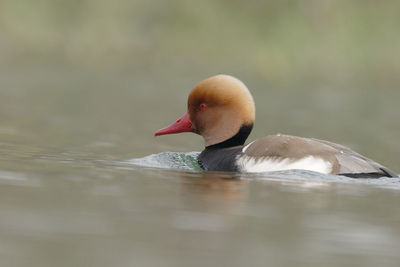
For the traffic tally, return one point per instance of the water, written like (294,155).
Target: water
(169,160)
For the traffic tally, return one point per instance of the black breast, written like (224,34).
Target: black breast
(220,159)
(222,156)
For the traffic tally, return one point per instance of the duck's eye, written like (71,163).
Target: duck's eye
(203,106)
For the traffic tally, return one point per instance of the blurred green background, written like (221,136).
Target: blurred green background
(101,76)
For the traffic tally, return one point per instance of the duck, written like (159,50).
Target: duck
(222,110)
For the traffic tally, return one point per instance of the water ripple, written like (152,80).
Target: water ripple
(169,160)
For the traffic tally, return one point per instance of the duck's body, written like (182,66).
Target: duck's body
(221,109)
(285,152)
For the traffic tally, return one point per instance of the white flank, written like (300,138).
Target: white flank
(310,163)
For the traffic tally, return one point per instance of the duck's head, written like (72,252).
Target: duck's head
(219,108)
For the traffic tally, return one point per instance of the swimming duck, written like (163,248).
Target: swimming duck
(221,110)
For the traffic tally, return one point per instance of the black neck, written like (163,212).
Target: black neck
(236,140)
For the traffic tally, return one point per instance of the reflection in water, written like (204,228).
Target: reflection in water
(216,192)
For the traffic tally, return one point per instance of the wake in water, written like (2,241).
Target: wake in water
(169,160)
